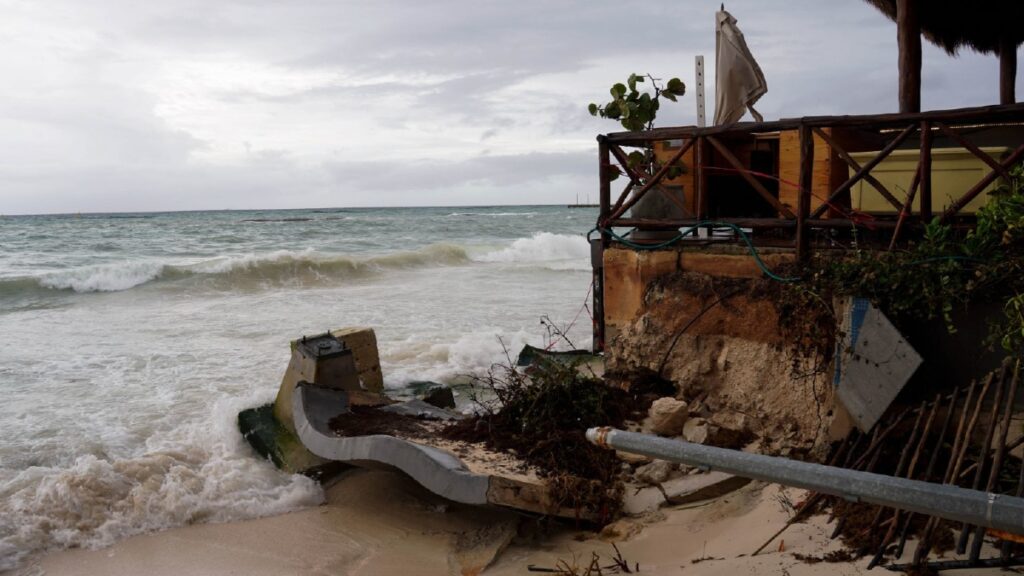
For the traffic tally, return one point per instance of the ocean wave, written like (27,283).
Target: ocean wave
(491,214)
(279,267)
(95,502)
(557,251)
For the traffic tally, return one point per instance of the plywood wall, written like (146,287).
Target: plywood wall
(829,170)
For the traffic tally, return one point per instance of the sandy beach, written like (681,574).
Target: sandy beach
(378,522)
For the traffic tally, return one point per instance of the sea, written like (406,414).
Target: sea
(130,342)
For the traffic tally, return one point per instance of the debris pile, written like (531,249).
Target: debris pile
(541,415)
(960,438)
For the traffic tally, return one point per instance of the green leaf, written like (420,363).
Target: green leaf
(676,87)
(593,109)
(618,90)
(635,158)
(612,110)
(632,82)
(669,95)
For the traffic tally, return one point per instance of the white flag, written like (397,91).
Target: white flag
(739,82)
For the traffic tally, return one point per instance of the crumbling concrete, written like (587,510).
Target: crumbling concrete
(716,335)
(667,416)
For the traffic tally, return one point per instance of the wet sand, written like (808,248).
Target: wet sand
(377,522)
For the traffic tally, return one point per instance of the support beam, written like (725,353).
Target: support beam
(803,209)
(908,30)
(1007,72)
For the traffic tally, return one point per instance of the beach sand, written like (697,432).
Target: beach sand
(379,522)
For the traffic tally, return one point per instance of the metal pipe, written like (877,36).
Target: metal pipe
(946,501)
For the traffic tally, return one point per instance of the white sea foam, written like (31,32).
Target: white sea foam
(556,251)
(429,358)
(111,277)
(200,473)
(492,214)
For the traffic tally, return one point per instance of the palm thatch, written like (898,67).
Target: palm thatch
(986,26)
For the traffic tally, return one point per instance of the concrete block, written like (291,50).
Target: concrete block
(363,343)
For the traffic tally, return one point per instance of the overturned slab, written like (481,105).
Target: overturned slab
(476,476)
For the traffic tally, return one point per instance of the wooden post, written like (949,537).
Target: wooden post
(605,191)
(1007,71)
(597,260)
(804,193)
(702,195)
(926,173)
(908,34)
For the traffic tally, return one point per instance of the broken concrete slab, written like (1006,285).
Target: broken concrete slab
(477,476)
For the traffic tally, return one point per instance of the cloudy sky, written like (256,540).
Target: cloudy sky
(122,105)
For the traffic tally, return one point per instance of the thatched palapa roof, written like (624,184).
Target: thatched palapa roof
(986,26)
(981,25)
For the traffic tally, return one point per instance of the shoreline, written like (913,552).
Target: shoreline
(379,522)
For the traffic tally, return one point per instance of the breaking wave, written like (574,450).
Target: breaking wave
(303,267)
(279,267)
(491,214)
(557,251)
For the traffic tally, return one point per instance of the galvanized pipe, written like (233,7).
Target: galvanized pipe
(946,501)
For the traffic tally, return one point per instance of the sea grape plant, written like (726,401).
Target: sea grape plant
(637,110)
(634,109)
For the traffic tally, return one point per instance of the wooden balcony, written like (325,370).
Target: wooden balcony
(807,182)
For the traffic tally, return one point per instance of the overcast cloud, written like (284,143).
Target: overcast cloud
(117,105)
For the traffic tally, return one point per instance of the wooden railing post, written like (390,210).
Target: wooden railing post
(605,191)
(803,209)
(702,195)
(597,251)
(926,172)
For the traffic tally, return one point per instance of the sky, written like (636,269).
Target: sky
(122,105)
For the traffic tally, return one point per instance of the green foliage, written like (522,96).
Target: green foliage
(637,110)
(634,109)
(943,272)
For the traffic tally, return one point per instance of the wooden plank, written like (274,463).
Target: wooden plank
(865,169)
(924,171)
(907,207)
(980,186)
(981,154)
(605,193)
(623,159)
(856,168)
(701,183)
(804,203)
(756,223)
(744,172)
(973,115)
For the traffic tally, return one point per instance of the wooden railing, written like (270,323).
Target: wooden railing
(795,225)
